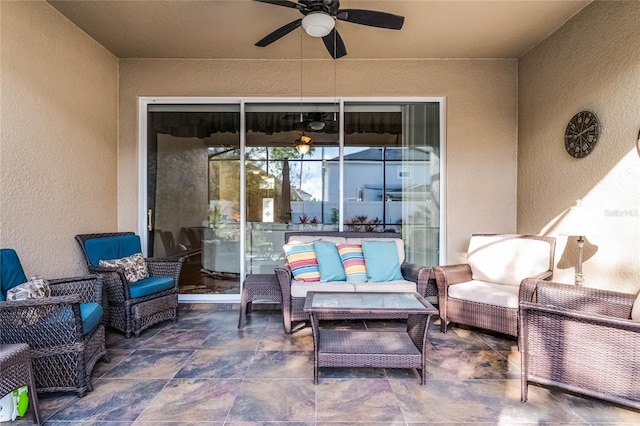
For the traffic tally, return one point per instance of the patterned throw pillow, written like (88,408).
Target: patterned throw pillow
(353,262)
(35,288)
(303,262)
(135,268)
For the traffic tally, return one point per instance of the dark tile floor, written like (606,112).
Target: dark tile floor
(205,371)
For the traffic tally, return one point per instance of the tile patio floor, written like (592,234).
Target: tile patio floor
(204,371)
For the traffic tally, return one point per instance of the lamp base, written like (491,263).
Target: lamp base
(579,280)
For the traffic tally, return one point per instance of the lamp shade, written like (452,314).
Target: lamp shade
(576,222)
(318,24)
(303,145)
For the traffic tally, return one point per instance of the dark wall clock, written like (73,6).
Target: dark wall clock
(582,134)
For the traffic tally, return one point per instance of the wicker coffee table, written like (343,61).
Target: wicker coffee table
(382,349)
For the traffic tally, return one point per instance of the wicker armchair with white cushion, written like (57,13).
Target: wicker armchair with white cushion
(580,339)
(483,292)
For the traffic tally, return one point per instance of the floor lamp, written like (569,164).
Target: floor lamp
(576,224)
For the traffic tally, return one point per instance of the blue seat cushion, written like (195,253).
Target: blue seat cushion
(107,248)
(11,272)
(91,314)
(150,285)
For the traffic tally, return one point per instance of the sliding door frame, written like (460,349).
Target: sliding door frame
(144,102)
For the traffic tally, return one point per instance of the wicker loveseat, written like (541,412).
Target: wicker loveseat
(417,277)
(581,340)
(63,331)
(133,306)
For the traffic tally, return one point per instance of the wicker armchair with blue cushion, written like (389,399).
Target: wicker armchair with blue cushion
(133,305)
(63,330)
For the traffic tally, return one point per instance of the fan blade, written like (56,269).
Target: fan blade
(280,32)
(371,18)
(284,3)
(334,44)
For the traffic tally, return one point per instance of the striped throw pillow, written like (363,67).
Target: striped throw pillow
(353,262)
(303,262)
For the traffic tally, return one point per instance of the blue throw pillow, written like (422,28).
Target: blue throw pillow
(329,262)
(381,259)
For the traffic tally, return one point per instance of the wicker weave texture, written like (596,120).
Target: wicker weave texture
(63,357)
(15,371)
(292,307)
(378,349)
(134,315)
(567,345)
(489,317)
(263,287)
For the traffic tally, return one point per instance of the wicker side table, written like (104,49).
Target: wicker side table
(16,371)
(264,287)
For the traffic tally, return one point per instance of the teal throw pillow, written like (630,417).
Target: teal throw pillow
(381,259)
(329,262)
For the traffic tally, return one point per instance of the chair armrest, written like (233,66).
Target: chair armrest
(89,288)
(165,266)
(41,323)
(114,281)
(418,274)
(582,317)
(451,274)
(283,273)
(581,299)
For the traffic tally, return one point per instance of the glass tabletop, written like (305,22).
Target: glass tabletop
(365,301)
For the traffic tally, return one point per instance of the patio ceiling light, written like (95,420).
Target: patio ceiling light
(318,24)
(303,145)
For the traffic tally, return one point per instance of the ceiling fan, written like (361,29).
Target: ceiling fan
(311,121)
(320,19)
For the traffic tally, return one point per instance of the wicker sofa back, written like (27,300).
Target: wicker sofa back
(292,306)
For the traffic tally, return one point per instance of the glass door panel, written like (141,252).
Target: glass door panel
(193,190)
(391,174)
(287,149)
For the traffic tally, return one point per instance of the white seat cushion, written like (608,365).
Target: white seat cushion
(507,260)
(398,242)
(389,286)
(486,293)
(300,289)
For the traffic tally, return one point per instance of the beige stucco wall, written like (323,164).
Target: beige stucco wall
(592,63)
(58,129)
(481,109)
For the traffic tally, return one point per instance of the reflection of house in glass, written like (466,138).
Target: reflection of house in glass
(377,181)
(385,189)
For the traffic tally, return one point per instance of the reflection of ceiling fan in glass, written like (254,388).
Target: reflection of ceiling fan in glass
(320,19)
(312,121)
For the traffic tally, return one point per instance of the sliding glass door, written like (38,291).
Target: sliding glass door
(287,147)
(193,193)
(226,181)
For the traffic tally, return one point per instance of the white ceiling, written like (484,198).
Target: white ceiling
(229,28)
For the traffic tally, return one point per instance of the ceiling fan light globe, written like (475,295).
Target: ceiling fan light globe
(318,24)
(317,125)
(303,148)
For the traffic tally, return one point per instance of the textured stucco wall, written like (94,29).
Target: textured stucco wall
(591,63)
(58,130)
(481,120)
